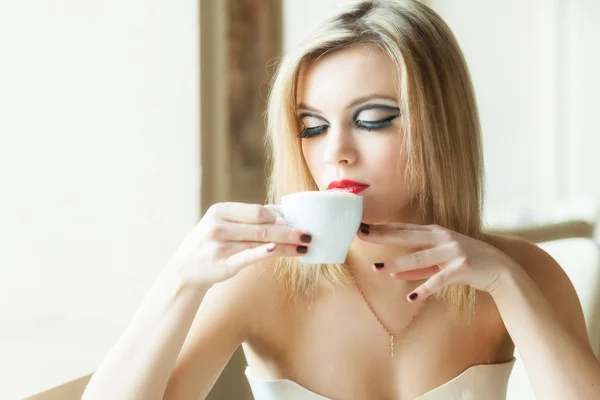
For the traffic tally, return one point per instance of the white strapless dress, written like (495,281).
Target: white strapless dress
(480,382)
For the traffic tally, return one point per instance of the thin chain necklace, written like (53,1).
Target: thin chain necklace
(391,335)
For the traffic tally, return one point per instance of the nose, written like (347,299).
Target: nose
(340,148)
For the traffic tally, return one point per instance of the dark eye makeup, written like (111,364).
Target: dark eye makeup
(309,132)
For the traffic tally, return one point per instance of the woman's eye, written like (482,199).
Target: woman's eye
(375,125)
(313,131)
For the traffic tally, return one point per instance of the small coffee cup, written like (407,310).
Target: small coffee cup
(331,218)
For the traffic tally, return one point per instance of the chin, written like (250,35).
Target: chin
(374,218)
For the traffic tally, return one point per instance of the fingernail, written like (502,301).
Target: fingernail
(364,228)
(270,247)
(413,296)
(305,238)
(302,249)
(378,265)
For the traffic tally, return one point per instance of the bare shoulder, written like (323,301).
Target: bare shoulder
(537,263)
(548,276)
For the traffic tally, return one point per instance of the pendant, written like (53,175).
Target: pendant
(392,345)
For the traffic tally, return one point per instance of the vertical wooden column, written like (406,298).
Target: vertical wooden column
(240,41)
(215,154)
(255,41)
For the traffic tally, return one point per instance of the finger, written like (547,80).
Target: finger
(417,274)
(265,233)
(409,238)
(245,213)
(241,260)
(437,282)
(421,259)
(228,249)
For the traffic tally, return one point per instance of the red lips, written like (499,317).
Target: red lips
(347,186)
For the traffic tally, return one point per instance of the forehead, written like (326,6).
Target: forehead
(357,71)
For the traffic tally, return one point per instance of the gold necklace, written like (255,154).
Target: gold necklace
(391,335)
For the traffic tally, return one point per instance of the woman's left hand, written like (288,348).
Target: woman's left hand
(441,256)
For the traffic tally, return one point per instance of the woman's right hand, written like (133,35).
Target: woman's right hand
(231,236)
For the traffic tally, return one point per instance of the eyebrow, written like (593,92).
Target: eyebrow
(354,103)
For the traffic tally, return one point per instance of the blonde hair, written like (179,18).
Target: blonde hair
(440,121)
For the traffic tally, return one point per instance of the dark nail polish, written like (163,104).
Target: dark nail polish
(364,226)
(413,296)
(378,265)
(364,230)
(305,238)
(302,249)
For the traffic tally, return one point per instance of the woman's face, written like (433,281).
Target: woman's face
(348,109)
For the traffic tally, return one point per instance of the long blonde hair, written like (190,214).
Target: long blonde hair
(440,121)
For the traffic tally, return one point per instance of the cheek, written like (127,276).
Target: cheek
(385,157)
(310,153)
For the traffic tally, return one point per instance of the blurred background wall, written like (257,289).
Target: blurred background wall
(534,65)
(121,121)
(99,173)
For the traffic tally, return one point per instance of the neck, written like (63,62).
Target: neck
(363,255)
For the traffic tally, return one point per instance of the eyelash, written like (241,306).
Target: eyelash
(367,126)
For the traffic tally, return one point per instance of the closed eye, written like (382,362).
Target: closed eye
(375,125)
(312,131)
(312,119)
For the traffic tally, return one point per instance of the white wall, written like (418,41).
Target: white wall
(582,89)
(99,173)
(300,17)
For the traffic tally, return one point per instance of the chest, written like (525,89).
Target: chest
(339,350)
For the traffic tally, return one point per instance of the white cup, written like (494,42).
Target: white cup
(331,218)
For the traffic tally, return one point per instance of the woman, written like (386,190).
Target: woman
(426,306)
